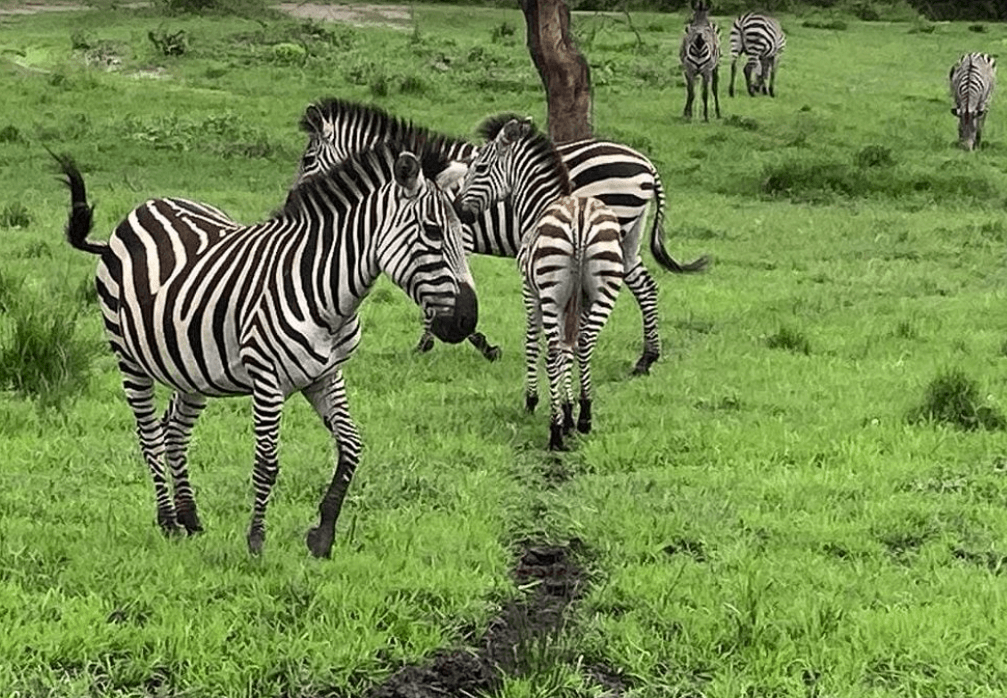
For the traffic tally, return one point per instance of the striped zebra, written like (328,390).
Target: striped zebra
(700,55)
(571,263)
(761,38)
(972,79)
(212,308)
(623,179)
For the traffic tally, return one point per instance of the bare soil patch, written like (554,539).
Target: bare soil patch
(396,16)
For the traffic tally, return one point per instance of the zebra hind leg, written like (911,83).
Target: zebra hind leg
(179,419)
(328,397)
(139,389)
(714,79)
(557,366)
(643,287)
(533,317)
(267,404)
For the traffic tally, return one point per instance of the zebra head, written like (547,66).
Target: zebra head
(424,255)
(970,124)
(700,12)
(490,177)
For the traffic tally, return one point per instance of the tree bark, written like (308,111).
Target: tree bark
(564,71)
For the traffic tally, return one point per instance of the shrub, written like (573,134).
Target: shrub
(41,355)
(874,156)
(977,28)
(953,398)
(290,54)
(11,134)
(15,215)
(789,339)
(175,44)
(833,24)
(502,31)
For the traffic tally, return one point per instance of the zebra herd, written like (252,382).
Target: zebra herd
(761,39)
(211,308)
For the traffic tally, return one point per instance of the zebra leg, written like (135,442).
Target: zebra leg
(591,325)
(706,99)
(139,389)
(567,388)
(533,315)
(734,70)
(489,352)
(179,418)
(328,398)
(267,405)
(555,367)
(426,342)
(643,287)
(690,94)
(714,78)
(749,83)
(772,76)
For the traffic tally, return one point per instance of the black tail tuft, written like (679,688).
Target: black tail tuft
(81,217)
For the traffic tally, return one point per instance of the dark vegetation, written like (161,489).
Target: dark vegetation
(953,398)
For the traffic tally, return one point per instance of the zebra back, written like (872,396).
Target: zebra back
(973,79)
(757,36)
(700,49)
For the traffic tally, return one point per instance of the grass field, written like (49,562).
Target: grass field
(764,515)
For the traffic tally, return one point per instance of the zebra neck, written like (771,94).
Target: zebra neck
(541,180)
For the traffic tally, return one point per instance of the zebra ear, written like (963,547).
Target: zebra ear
(407,173)
(954,111)
(514,130)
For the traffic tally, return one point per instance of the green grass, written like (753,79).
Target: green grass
(764,514)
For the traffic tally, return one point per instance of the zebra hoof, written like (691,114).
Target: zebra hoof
(493,353)
(530,403)
(567,419)
(319,542)
(189,520)
(556,438)
(256,539)
(166,522)
(425,344)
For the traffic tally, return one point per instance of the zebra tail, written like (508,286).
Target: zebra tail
(81,216)
(657,247)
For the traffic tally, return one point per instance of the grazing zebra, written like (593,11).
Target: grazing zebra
(623,179)
(761,39)
(972,79)
(700,55)
(572,268)
(209,307)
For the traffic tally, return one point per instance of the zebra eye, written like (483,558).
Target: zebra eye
(433,232)
(481,168)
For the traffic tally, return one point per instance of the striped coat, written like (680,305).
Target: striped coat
(972,80)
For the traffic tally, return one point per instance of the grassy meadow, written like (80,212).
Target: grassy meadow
(796,502)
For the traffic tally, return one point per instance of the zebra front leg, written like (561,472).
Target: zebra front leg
(644,289)
(139,389)
(772,76)
(479,341)
(328,397)
(714,79)
(690,94)
(179,419)
(533,328)
(426,342)
(267,405)
(749,82)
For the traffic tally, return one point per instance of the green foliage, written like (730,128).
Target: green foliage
(15,215)
(953,398)
(833,24)
(290,54)
(874,156)
(244,8)
(42,356)
(790,339)
(169,43)
(226,134)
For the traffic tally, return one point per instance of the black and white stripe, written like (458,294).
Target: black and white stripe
(209,307)
(572,268)
(623,179)
(700,55)
(972,79)
(761,39)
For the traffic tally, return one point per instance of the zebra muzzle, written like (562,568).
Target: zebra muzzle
(455,326)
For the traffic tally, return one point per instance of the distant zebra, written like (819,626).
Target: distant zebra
(209,307)
(972,79)
(625,180)
(761,39)
(700,55)
(572,269)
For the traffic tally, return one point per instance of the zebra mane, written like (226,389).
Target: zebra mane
(335,110)
(539,144)
(364,172)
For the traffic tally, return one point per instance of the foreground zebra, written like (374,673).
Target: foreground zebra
(209,307)
(571,257)
(572,268)
(972,79)
(761,39)
(620,177)
(700,55)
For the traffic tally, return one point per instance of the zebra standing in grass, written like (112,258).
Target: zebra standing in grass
(209,307)
(761,38)
(620,177)
(572,268)
(972,79)
(571,258)
(700,55)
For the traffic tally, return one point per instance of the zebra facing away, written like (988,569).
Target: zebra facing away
(625,180)
(209,307)
(572,268)
(700,55)
(973,79)
(761,39)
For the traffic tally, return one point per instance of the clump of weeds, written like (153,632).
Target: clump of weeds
(953,398)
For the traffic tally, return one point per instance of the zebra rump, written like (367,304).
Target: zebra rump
(972,80)
(761,39)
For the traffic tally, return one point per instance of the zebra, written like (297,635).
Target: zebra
(571,264)
(212,308)
(622,178)
(700,55)
(972,79)
(761,38)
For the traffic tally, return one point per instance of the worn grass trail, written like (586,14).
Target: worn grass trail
(761,515)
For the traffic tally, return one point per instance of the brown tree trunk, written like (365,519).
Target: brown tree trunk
(563,70)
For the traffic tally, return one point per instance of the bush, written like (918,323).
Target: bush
(833,24)
(789,339)
(953,398)
(15,215)
(41,355)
